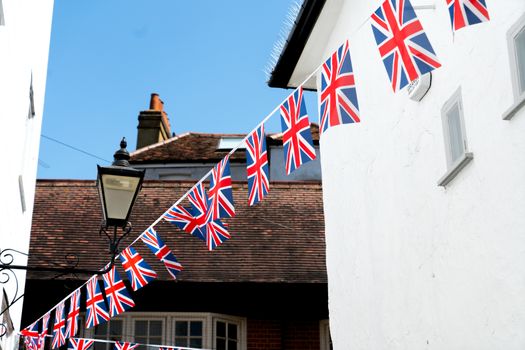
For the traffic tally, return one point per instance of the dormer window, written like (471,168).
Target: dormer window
(229,143)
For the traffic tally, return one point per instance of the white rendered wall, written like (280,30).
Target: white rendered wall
(24,48)
(412,265)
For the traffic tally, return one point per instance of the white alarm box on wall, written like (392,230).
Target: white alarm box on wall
(418,88)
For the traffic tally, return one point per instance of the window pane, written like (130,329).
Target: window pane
(221,329)
(180,341)
(196,328)
(221,344)
(454,132)
(155,340)
(99,346)
(155,328)
(196,343)
(520,51)
(181,328)
(101,329)
(115,328)
(232,331)
(232,345)
(141,328)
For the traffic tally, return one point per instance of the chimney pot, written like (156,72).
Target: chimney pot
(156,103)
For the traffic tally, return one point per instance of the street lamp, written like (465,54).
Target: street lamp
(118,186)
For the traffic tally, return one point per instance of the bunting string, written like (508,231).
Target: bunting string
(338,84)
(170,347)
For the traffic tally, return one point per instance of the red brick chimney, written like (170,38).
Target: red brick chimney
(154,125)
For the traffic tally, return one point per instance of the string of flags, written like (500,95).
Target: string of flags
(406,53)
(87,344)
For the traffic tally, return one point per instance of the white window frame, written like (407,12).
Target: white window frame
(454,166)
(22,193)
(241,330)
(90,333)
(324,335)
(169,318)
(519,96)
(151,318)
(192,316)
(2,19)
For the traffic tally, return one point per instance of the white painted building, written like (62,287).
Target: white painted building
(424,201)
(25,29)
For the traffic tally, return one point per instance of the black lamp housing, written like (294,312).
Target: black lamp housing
(118,186)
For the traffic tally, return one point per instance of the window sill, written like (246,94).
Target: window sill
(514,108)
(456,168)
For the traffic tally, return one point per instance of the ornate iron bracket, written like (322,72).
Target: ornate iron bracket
(7,266)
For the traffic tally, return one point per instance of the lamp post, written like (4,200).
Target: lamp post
(118,186)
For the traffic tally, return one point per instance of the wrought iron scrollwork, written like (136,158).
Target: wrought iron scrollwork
(8,277)
(7,267)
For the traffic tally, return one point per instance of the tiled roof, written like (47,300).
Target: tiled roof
(279,240)
(199,147)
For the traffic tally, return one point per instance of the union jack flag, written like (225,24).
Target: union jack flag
(72,316)
(402,42)
(257,166)
(80,344)
(297,138)
(96,307)
(42,336)
(31,342)
(467,12)
(199,202)
(184,219)
(30,331)
(161,251)
(118,296)
(338,97)
(216,234)
(138,270)
(31,336)
(58,328)
(220,202)
(125,346)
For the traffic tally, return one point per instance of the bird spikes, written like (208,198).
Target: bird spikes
(283,36)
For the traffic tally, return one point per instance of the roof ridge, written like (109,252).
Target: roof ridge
(155,145)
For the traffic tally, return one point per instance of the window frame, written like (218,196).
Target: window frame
(454,166)
(519,96)
(133,319)
(189,317)
(169,318)
(90,333)
(2,18)
(241,329)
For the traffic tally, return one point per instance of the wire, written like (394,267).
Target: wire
(75,148)
(149,345)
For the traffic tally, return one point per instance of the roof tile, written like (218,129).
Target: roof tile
(279,240)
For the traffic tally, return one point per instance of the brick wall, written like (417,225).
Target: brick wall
(282,335)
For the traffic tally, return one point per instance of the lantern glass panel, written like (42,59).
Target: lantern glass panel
(119,192)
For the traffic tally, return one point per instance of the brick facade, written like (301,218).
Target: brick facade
(283,335)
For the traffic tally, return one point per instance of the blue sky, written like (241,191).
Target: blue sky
(206,60)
